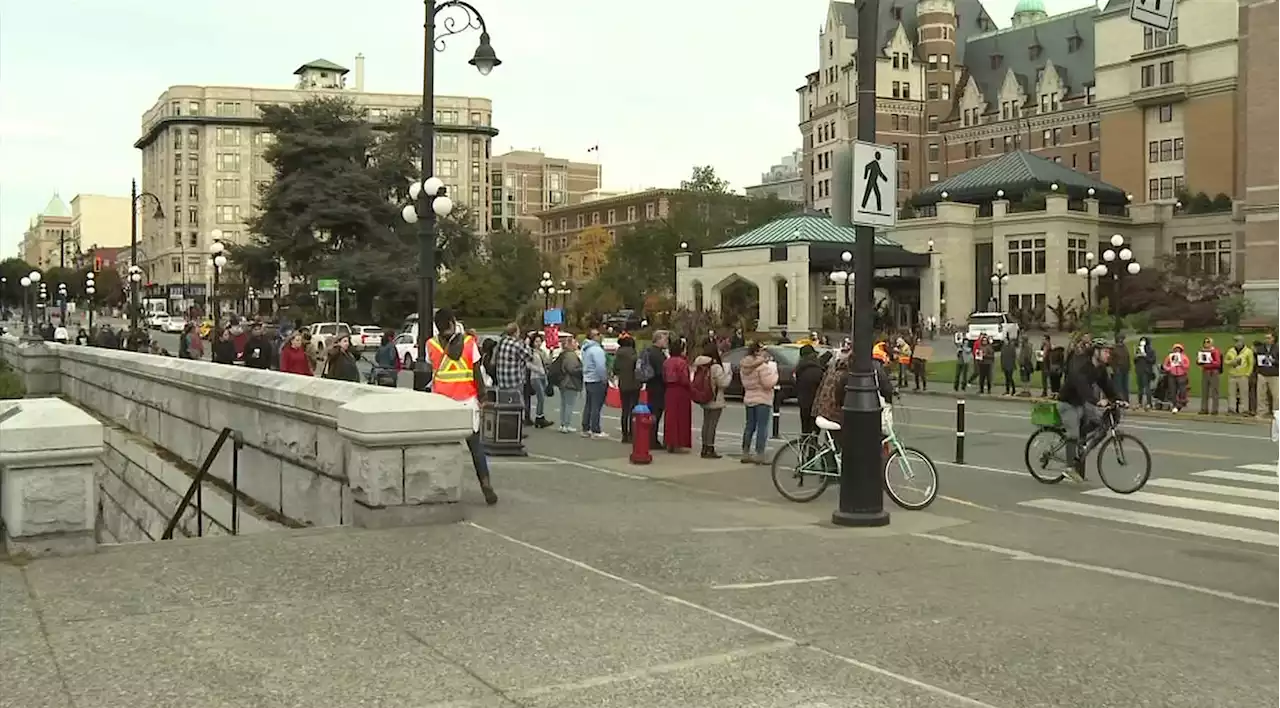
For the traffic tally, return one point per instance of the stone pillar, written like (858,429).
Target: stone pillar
(49,450)
(405,458)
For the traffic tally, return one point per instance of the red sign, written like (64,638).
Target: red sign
(551,334)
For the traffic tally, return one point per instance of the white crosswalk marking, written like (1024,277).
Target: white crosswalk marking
(1272,467)
(1248,500)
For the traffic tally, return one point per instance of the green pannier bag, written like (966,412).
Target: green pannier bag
(1045,415)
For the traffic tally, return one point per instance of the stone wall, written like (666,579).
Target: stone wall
(139,488)
(295,458)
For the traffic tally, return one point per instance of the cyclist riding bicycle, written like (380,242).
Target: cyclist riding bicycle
(1079,402)
(830,399)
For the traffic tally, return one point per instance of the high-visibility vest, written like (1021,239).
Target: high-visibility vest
(453,377)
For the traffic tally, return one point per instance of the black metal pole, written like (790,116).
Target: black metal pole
(960,431)
(133,255)
(777,412)
(426,215)
(214,298)
(62,264)
(861,488)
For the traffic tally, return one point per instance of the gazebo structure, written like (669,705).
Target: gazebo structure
(787,264)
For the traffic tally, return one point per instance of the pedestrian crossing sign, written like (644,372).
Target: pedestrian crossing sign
(1152,13)
(875,185)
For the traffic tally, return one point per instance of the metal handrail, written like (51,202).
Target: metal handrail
(196,490)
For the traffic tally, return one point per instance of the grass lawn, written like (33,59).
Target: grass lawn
(944,371)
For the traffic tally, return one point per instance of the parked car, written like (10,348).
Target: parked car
(366,337)
(624,320)
(323,332)
(997,325)
(787,356)
(173,325)
(155,318)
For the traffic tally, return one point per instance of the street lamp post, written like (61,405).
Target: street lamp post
(29,305)
(861,484)
(44,299)
(4,282)
(1118,261)
(1089,271)
(135,201)
(844,276)
(218,261)
(999,279)
(62,303)
(564,293)
(429,201)
(547,288)
(89,291)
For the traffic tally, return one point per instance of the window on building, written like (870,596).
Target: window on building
(1026,256)
(1046,137)
(1153,151)
(964,117)
(1166,113)
(193,216)
(228,162)
(780,295)
(1148,75)
(446,168)
(651,210)
(1093,130)
(946,92)
(1177,148)
(631,213)
(1095,161)
(176,264)
(932,92)
(1044,103)
(1074,43)
(446,143)
(1004,110)
(1179,184)
(906,89)
(933,124)
(1166,72)
(611,216)
(1091,94)
(977,148)
(933,152)
(227,137)
(177,168)
(1155,38)
(228,214)
(1057,136)
(564,223)
(177,239)
(1077,247)
(996,59)
(1166,150)
(227,188)
(177,138)
(933,62)
(193,191)
(477,118)
(896,88)
(945,61)
(1073,161)
(1053,101)
(193,239)
(582,220)
(1008,143)
(968,151)
(227,108)
(904,151)
(1203,256)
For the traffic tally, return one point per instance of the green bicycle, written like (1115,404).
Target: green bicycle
(1046,451)
(812,463)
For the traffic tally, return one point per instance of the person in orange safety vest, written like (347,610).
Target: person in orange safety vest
(456,374)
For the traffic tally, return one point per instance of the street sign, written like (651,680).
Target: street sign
(875,185)
(327,285)
(1152,13)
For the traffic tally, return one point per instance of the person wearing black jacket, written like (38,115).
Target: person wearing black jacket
(224,350)
(1078,401)
(257,349)
(655,386)
(808,376)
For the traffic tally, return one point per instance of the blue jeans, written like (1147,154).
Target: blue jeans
(758,418)
(1122,384)
(594,406)
(568,399)
(539,384)
(477,457)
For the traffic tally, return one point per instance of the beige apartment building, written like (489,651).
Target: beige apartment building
(46,233)
(202,156)
(1258,119)
(99,222)
(527,182)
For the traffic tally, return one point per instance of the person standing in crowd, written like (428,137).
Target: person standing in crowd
(1176,366)
(456,374)
(964,361)
(678,428)
(624,372)
(1144,365)
(710,378)
(258,348)
(340,365)
(565,373)
(737,340)
(538,358)
(1026,361)
(595,381)
(386,362)
(808,375)
(224,350)
(649,373)
(82,337)
(1238,363)
(759,374)
(1120,366)
(1209,359)
(184,344)
(983,355)
(195,344)
(510,364)
(902,353)
(293,358)
(1008,366)
(1267,365)
(920,366)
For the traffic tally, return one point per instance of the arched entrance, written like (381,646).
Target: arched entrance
(739,301)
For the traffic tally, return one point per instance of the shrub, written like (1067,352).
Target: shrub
(10,383)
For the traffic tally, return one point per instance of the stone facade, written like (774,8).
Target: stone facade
(301,435)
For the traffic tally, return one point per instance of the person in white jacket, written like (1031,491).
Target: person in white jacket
(719,377)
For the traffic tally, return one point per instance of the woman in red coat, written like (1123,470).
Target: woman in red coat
(293,357)
(678,418)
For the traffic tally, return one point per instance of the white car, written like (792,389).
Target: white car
(173,325)
(154,319)
(407,343)
(996,325)
(323,332)
(366,337)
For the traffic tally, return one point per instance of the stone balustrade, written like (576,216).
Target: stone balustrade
(318,452)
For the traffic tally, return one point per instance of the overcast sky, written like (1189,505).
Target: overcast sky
(660,85)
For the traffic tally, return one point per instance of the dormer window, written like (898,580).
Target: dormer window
(1074,43)
(896,13)
(996,60)
(1035,51)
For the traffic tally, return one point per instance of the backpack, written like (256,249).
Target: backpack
(644,368)
(703,391)
(827,401)
(555,370)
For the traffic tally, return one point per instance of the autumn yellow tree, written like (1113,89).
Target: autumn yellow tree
(592,248)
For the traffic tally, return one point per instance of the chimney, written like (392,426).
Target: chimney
(359,72)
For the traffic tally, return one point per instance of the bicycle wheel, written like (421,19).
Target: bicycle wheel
(1044,448)
(793,483)
(1130,454)
(919,486)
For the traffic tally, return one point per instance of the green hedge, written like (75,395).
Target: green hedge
(10,383)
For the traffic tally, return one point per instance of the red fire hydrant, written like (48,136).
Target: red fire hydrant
(641,433)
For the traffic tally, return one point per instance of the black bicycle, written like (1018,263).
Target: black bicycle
(1046,451)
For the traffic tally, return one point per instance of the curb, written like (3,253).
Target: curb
(1135,413)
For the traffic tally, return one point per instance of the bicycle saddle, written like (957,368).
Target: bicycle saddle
(826,424)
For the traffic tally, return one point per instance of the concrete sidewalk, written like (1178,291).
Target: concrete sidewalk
(584,588)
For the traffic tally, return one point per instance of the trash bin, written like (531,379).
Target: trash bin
(502,424)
